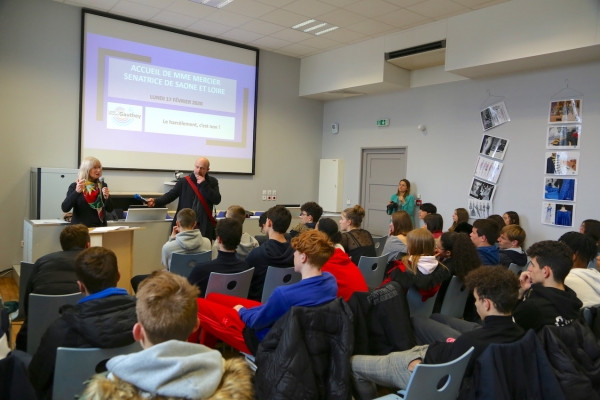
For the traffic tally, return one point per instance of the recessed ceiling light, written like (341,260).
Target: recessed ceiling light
(315,27)
(213,3)
(310,21)
(327,30)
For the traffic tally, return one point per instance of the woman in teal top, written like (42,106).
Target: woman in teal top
(403,199)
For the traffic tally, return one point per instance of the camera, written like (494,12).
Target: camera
(392,208)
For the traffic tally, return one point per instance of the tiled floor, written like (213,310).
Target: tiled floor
(10,292)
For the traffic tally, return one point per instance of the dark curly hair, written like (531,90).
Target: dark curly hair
(496,284)
(313,209)
(580,244)
(556,255)
(463,253)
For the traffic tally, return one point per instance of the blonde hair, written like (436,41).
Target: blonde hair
(514,232)
(166,307)
(236,212)
(316,245)
(420,242)
(87,164)
(354,214)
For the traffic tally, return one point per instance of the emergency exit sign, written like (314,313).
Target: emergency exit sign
(383,122)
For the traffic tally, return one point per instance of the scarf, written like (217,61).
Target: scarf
(92,193)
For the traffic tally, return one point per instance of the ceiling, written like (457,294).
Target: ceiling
(266,24)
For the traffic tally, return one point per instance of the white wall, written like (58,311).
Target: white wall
(441,160)
(39,114)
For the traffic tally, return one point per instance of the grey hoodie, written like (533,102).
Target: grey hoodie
(173,368)
(247,243)
(187,242)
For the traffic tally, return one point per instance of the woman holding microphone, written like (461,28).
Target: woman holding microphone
(89,196)
(402,200)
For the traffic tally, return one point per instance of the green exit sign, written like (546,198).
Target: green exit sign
(383,122)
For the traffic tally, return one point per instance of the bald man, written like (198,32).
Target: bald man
(202,202)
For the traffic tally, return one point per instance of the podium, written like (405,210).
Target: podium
(120,241)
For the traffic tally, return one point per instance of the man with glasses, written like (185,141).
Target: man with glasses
(309,215)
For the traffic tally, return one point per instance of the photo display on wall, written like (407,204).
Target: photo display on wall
(560,214)
(480,209)
(494,115)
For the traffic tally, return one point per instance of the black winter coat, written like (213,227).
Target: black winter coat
(82,212)
(306,355)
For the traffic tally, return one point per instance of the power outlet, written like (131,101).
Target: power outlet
(274,198)
(264,198)
(348,202)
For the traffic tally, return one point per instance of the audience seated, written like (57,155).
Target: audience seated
(275,252)
(331,228)
(229,232)
(104,318)
(510,243)
(584,281)
(434,223)
(591,227)
(420,267)
(460,215)
(169,367)
(185,238)
(511,218)
(497,219)
(310,213)
(426,208)
(247,242)
(495,291)
(54,273)
(357,242)
(395,245)
(484,234)
(237,319)
(347,275)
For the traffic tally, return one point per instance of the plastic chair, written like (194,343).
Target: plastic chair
(221,214)
(43,311)
(278,277)
(379,244)
(373,269)
(182,264)
(426,378)
(237,284)
(516,269)
(75,366)
(26,269)
(417,306)
(455,299)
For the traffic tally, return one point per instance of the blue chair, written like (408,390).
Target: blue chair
(455,299)
(379,243)
(182,264)
(278,277)
(426,378)
(221,214)
(75,366)
(237,284)
(417,306)
(373,269)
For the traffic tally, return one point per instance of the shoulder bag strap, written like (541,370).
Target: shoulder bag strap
(212,220)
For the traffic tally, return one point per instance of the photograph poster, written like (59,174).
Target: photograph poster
(563,137)
(493,146)
(558,214)
(488,169)
(562,163)
(565,111)
(560,189)
(480,209)
(494,115)
(481,190)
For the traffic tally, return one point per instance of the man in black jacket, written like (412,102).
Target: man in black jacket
(208,188)
(54,273)
(104,318)
(495,290)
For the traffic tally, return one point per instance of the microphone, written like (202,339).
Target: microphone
(101,180)
(140,198)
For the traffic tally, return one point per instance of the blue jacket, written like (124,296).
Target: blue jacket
(308,292)
(488,255)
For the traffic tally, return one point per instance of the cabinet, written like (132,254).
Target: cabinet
(331,185)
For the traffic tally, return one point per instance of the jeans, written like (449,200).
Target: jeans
(390,371)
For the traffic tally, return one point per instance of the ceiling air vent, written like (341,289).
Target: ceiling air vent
(419,57)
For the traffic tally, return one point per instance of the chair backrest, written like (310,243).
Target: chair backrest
(417,306)
(515,268)
(75,366)
(373,269)
(379,244)
(182,264)
(455,299)
(43,311)
(26,269)
(278,277)
(237,284)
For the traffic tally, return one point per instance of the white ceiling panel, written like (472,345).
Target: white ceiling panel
(292,35)
(249,8)
(209,28)
(104,6)
(154,3)
(339,3)
(320,42)
(402,18)
(283,18)
(298,49)
(341,17)
(262,27)
(309,8)
(435,8)
(371,8)
(270,42)
(276,3)
(136,10)
(344,35)
(173,19)
(187,7)
(370,27)
(240,35)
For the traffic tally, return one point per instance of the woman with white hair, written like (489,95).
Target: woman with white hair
(88,196)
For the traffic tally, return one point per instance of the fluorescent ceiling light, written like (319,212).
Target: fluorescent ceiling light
(213,3)
(326,30)
(223,4)
(310,21)
(315,27)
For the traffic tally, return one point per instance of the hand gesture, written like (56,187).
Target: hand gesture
(199,179)
(151,202)
(174,232)
(525,282)
(238,307)
(105,192)
(80,185)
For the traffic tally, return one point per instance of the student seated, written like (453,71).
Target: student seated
(357,242)
(185,238)
(168,366)
(235,318)
(510,243)
(330,227)
(484,235)
(584,281)
(54,273)
(229,232)
(434,223)
(425,209)
(310,213)
(247,242)
(395,245)
(495,291)
(275,252)
(498,220)
(104,318)
(511,218)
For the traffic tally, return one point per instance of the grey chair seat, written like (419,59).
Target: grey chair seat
(237,284)
(182,264)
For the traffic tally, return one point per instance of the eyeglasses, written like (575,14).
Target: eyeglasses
(303,214)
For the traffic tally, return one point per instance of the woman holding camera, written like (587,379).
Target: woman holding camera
(402,200)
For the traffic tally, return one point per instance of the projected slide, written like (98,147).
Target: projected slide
(148,106)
